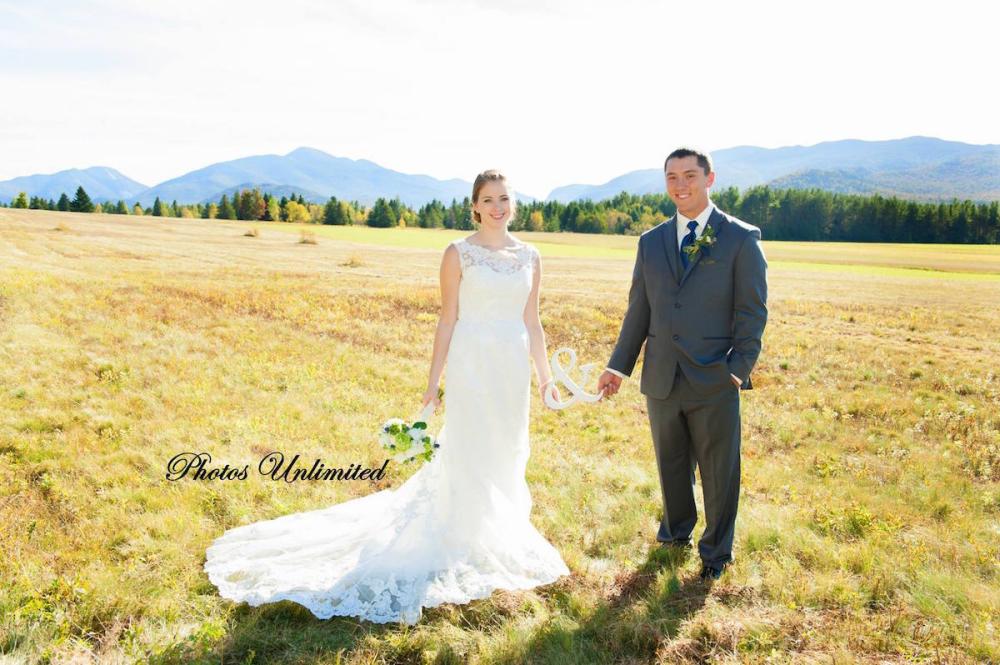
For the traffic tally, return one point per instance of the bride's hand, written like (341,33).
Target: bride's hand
(552,389)
(430,396)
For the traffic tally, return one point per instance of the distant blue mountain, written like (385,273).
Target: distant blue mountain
(102,183)
(915,167)
(974,177)
(307,169)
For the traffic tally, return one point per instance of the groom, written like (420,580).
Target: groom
(699,302)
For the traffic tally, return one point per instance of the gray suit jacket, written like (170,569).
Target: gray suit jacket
(709,319)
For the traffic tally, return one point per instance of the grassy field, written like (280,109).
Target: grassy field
(869,524)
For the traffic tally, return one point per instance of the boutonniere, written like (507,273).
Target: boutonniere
(701,244)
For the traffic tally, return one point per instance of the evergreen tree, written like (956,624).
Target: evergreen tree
(157,207)
(121,208)
(250,205)
(226,209)
(381,215)
(335,213)
(20,201)
(81,202)
(463,215)
(63,205)
(431,216)
(396,207)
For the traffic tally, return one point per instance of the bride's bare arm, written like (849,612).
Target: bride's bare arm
(451,273)
(536,335)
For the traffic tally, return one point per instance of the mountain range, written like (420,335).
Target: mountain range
(101,182)
(915,167)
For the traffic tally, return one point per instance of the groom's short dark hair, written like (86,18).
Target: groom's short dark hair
(704,160)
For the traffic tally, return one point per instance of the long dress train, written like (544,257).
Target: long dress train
(459,527)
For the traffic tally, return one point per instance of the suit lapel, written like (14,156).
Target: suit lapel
(670,247)
(717,221)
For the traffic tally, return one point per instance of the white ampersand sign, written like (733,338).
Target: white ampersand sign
(561,375)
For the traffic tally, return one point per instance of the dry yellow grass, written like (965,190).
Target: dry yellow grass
(869,510)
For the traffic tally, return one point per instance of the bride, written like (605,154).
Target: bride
(459,527)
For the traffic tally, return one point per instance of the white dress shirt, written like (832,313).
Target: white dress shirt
(683,230)
(702,219)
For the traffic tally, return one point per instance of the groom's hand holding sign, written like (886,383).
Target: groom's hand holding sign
(609,383)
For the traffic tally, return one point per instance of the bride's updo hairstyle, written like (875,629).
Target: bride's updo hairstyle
(493,175)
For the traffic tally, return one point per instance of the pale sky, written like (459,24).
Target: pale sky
(553,92)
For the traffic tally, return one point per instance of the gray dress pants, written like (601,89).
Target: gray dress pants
(690,431)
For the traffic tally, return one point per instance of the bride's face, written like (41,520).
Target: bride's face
(493,205)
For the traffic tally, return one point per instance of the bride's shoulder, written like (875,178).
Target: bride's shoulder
(522,246)
(528,249)
(453,252)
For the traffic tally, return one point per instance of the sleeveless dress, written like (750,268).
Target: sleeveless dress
(459,527)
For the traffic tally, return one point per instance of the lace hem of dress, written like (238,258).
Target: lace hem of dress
(391,598)
(505,261)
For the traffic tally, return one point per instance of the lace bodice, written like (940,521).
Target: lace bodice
(506,261)
(495,283)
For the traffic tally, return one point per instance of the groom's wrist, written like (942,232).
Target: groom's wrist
(616,372)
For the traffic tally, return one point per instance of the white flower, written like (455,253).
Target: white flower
(408,443)
(392,421)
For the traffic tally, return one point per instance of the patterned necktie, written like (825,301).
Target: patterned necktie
(688,241)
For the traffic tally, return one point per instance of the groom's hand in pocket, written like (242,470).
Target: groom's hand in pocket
(609,383)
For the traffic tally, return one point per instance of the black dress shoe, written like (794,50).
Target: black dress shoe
(710,572)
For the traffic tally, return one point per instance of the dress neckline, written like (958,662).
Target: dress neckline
(496,251)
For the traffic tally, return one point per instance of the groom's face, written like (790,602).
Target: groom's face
(687,185)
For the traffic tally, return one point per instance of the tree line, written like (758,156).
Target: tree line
(782,214)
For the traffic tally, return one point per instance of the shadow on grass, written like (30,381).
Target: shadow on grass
(641,611)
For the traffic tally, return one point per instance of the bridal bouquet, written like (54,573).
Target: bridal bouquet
(409,441)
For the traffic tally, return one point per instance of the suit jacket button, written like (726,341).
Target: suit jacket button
(676,337)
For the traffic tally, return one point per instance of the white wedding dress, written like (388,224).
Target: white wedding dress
(459,527)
